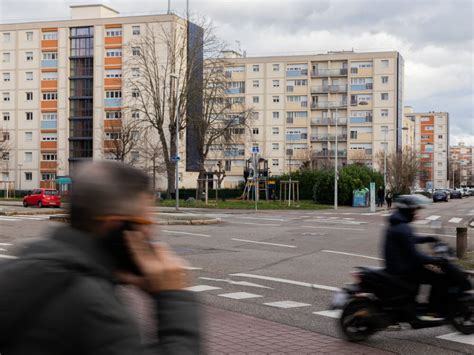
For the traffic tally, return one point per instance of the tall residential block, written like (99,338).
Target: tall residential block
(432,142)
(461,159)
(64,88)
(303,104)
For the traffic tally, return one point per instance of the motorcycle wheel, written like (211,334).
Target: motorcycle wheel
(463,318)
(357,320)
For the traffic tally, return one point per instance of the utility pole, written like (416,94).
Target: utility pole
(335,168)
(176,157)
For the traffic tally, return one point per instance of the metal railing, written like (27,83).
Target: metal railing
(329,121)
(366,119)
(329,153)
(329,72)
(328,88)
(328,104)
(328,137)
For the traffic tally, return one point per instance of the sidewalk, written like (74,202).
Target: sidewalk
(233,333)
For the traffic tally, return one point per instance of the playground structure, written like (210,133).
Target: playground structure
(257,180)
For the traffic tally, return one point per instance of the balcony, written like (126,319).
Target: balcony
(325,121)
(234,91)
(49,124)
(113,102)
(234,153)
(49,63)
(328,104)
(328,72)
(328,88)
(360,103)
(328,137)
(366,119)
(302,72)
(296,137)
(327,153)
(362,87)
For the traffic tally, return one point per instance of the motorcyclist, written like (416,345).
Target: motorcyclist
(402,258)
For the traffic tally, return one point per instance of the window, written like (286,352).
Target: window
(276,99)
(384,79)
(29,116)
(135,93)
(6,116)
(49,137)
(134,134)
(28,136)
(5,156)
(384,129)
(6,136)
(48,176)
(275,131)
(228,165)
(384,63)
(29,36)
(113,73)
(440,136)
(6,96)
(50,35)
(29,56)
(50,75)
(135,51)
(384,96)
(112,135)
(134,155)
(276,115)
(6,57)
(29,76)
(135,30)
(28,157)
(50,96)
(114,115)
(49,157)
(256,99)
(28,176)
(135,72)
(276,83)
(255,131)
(275,146)
(255,115)
(276,67)
(6,37)
(353,134)
(135,114)
(113,32)
(275,162)
(49,55)
(384,113)
(113,94)
(116,52)
(29,96)
(256,68)
(256,83)
(53,116)
(429,128)
(6,76)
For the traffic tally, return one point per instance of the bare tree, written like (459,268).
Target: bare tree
(121,138)
(402,169)
(5,155)
(151,155)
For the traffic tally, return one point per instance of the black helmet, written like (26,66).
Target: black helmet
(411,202)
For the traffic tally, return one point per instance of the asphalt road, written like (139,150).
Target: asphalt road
(285,266)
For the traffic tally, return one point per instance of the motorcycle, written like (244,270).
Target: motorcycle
(377,301)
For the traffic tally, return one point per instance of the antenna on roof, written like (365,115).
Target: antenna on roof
(169,7)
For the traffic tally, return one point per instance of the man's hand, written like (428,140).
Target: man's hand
(163,270)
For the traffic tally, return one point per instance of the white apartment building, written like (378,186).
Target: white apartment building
(303,104)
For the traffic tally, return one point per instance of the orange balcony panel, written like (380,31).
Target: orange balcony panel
(49,105)
(112,124)
(114,82)
(113,66)
(49,29)
(49,43)
(49,131)
(113,40)
(113,61)
(109,145)
(49,145)
(49,84)
(111,25)
(48,165)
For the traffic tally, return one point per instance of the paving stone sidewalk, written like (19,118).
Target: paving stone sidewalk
(236,334)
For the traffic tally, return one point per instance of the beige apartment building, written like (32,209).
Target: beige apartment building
(461,159)
(432,142)
(303,104)
(63,91)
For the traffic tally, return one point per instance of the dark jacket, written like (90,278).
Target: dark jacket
(401,256)
(59,297)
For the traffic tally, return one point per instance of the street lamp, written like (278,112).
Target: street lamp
(19,179)
(335,168)
(176,157)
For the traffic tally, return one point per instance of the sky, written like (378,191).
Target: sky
(435,37)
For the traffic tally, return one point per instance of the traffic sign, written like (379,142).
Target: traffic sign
(255,150)
(176,158)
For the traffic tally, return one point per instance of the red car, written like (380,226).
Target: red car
(42,198)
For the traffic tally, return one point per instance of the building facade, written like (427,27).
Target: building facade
(461,165)
(64,90)
(432,142)
(306,109)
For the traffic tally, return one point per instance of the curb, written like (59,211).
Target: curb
(30,213)
(195,222)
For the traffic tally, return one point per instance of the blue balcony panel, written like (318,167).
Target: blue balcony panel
(115,102)
(49,124)
(49,63)
(234,91)
(303,72)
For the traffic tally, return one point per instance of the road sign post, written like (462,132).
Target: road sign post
(372,197)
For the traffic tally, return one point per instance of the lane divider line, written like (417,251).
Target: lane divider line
(351,254)
(186,233)
(265,243)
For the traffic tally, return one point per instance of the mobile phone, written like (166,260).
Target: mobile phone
(121,252)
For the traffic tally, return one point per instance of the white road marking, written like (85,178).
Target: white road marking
(421,222)
(201,288)
(7,219)
(432,218)
(3,256)
(328,227)
(455,220)
(6,244)
(273,244)
(287,304)
(386,214)
(350,254)
(263,218)
(240,283)
(290,282)
(1,249)
(335,313)
(471,213)
(186,233)
(192,268)
(459,338)
(257,224)
(239,295)
(342,222)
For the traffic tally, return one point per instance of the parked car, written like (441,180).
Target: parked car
(440,195)
(42,198)
(456,194)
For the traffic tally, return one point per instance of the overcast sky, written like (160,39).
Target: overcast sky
(436,37)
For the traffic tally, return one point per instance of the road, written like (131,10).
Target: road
(284,266)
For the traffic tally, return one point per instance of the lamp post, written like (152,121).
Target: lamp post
(335,167)
(176,157)
(19,178)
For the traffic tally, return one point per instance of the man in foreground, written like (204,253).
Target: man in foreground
(59,296)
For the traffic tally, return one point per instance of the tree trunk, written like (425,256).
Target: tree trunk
(201,183)
(170,173)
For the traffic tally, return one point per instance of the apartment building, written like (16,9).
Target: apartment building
(310,108)
(461,159)
(432,142)
(64,90)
